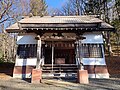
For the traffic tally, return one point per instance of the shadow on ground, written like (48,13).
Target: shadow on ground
(7,68)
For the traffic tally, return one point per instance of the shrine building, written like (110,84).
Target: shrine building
(59,44)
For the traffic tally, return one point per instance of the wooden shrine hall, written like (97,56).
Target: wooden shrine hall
(59,44)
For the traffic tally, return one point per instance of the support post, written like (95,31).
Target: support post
(38,54)
(52,56)
(37,72)
(77,54)
(82,75)
(80,54)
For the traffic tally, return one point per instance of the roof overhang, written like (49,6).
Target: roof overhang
(66,24)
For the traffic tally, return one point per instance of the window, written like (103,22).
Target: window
(92,51)
(27,51)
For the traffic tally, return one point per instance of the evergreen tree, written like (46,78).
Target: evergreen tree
(92,7)
(38,7)
(117,7)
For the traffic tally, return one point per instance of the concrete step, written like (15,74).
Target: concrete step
(59,75)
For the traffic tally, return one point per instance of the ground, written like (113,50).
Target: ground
(9,83)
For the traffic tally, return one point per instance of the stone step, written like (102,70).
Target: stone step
(59,65)
(57,68)
(59,71)
(59,75)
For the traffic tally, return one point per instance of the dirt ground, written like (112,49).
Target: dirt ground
(9,83)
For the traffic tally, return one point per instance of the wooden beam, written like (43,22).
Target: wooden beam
(59,25)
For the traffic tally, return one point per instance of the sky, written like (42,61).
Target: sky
(55,3)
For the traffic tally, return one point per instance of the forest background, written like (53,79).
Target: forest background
(12,11)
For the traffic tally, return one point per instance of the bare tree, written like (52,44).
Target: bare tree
(5,7)
(9,12)
(74,7)
(67,9)
(24,7)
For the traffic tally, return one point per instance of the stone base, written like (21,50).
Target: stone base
(36,76)
(82,76)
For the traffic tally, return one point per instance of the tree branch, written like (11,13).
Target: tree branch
(4,20)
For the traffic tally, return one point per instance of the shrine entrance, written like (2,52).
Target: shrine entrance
(59,52)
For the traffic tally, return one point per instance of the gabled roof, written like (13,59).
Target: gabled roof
(61,19)
(61,22)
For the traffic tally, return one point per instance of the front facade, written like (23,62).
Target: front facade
(60,40)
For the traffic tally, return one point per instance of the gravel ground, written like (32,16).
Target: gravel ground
(95,84)
(17,84)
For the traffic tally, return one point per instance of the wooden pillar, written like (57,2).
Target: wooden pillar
(38,53)
(52,56)
(80,52)
(37,73)
(77,53)
(82,75)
